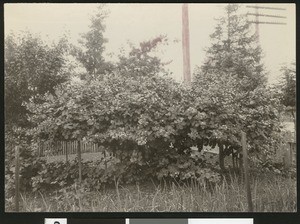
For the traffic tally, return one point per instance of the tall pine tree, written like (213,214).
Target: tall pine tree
(231,85)
(234,51)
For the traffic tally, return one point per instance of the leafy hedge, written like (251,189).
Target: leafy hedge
(40,176)
(138,108)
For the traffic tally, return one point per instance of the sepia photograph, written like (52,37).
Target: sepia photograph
(133,107)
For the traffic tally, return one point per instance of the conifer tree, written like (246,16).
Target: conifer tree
(234,51)
(93,45)
(232,86)
(286,89)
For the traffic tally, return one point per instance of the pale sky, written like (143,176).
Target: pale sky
(140,22)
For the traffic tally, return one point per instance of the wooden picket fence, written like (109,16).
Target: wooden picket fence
(287,155)
(67,147)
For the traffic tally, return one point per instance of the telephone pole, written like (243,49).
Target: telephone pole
(186,44)
(258,14)
(257,23)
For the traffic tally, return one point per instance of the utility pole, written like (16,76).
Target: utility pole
(258,15)
(186,44)
(228,26)
(257,23)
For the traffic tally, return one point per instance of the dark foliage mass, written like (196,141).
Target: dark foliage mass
(31,67)
(285,90)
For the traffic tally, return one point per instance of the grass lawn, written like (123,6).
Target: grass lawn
(270,193)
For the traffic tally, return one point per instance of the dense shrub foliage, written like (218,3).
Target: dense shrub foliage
(138,108)
(39,176)
(30,164)
(31,67)
(149,121)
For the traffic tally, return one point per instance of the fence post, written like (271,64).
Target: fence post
(63,147)
(67,152)
(72,149)
(79,160)
(105,160)
(39,149)
(291,153)
(246,172)
(17,180)
(287,157)
(221,157)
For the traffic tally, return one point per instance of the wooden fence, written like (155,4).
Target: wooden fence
(287,155)
(67,147)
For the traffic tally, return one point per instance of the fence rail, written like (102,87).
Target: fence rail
(67,147)
(287,155)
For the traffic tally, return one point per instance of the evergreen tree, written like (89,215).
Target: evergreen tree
(287,89)
(234,51)
(92,42)
(231,85)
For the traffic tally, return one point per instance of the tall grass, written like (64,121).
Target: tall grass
(270,193)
